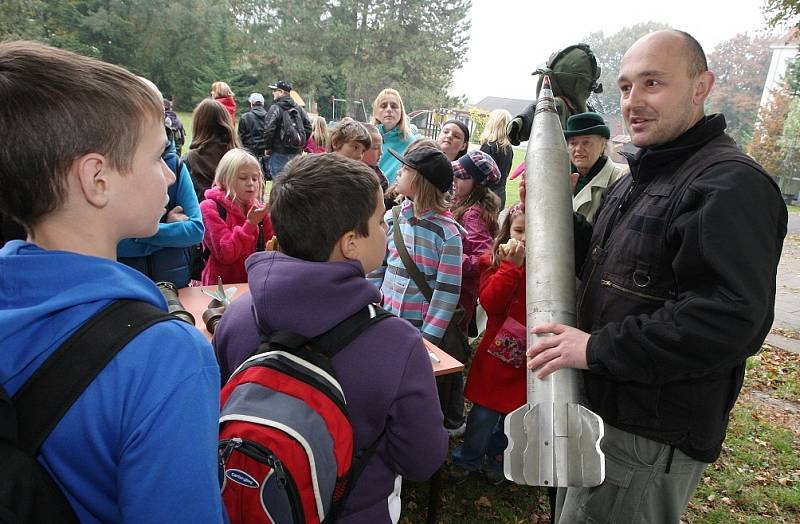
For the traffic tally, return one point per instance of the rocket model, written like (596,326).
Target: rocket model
(553,440)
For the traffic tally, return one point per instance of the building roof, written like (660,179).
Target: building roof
(514,106)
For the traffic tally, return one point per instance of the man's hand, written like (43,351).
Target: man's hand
(176,214)
(564,348)
(256,214)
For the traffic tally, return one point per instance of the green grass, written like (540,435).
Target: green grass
(186,120)
(793,209)
(512,186)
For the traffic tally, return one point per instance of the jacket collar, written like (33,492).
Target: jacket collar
(668,156)
(600,181)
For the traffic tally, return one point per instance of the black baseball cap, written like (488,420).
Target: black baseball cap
(431,163)
(283,85)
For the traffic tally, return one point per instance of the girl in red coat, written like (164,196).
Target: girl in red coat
(237,223)
(496,381)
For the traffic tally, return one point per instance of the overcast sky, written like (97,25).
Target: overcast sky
(509,38)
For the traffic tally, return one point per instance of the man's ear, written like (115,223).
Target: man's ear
(92,172)
(703,85)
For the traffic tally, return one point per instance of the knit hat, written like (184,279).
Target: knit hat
(478,166)
(431,163)
(586,124)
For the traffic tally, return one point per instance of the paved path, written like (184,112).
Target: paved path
(787,296)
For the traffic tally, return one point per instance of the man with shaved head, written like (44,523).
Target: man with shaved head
(677,290)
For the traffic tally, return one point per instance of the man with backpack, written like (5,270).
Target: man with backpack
(286,129)
(314,290)
(110,403)
(252,127)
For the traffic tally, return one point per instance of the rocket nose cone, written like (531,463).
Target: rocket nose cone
(546,99)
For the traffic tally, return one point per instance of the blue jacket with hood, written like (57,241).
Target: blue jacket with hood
(140,444)
(394,140)
(164,256)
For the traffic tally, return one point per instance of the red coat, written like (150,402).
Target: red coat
(491,383)
(230,241)
(229,103)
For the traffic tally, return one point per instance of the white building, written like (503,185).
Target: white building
(782,54)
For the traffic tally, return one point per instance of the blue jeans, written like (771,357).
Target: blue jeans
(278,161)
(484,436)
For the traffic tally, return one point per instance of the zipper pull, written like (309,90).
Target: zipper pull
(232,444)
(605,283)
(277,465)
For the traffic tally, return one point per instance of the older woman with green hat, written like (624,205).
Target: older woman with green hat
(587,135)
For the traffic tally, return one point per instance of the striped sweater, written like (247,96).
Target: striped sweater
(434,243)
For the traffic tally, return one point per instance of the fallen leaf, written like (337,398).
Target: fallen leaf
(483,502)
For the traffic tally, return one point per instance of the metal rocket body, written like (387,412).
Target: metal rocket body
(553,440)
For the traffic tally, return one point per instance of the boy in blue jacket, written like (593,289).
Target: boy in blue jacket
(315,282)
(139,445)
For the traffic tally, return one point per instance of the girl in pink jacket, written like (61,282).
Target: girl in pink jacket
(237,223)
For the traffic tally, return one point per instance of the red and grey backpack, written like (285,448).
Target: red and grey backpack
(286,441)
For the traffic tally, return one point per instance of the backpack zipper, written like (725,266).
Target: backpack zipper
(262,454)
(608,283)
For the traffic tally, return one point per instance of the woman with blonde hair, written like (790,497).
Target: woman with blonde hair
(318,140)
(222,93)
(389,116)
(494,141)
(213,137)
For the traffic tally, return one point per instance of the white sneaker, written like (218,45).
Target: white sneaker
(457,432)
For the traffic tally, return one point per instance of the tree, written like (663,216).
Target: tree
(767,145)
(779,12)
(354,48)
(609,51)
(740,65)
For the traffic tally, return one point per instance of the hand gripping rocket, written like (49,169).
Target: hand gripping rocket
(553,440)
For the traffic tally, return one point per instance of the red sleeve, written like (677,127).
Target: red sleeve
(499,287)
(227,243)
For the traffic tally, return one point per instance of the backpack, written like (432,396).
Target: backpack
(293,134)
(286,441)
(573,73)
(27,491)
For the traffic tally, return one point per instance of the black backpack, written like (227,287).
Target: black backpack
(27,491)
(293,134)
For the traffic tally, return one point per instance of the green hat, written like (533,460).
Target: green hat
(586,124)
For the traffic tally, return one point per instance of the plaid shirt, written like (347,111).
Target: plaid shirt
(434,243)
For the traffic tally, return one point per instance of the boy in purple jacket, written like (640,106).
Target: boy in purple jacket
(327,213)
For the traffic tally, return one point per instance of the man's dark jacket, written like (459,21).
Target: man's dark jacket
(678,288)
(252,128)
(272,134)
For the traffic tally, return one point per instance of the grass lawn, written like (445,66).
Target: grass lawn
(512,186)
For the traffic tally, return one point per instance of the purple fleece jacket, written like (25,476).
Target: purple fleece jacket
(385,373)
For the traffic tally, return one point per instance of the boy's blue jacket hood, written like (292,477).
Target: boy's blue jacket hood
(39,305)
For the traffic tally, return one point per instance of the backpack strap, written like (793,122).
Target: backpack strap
(411,267)
(45,398)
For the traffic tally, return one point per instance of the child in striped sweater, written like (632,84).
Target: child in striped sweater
(433,241)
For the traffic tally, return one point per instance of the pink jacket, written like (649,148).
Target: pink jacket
(476,242)
(312,147)
(230,241)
